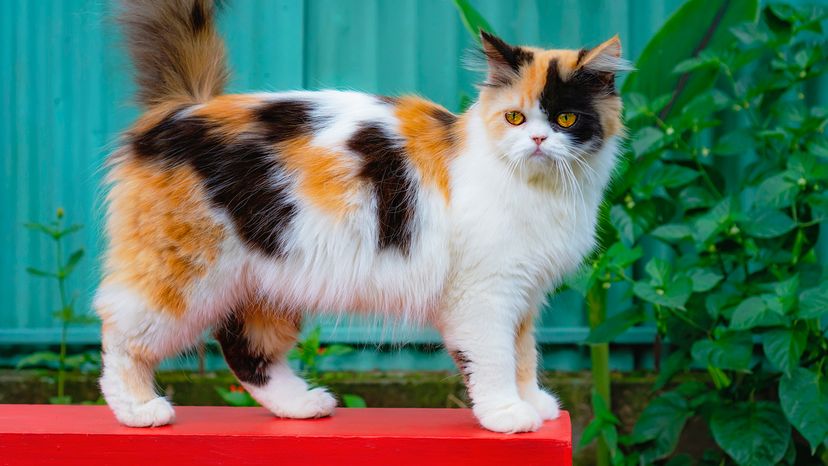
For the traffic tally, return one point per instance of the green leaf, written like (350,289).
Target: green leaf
(784,347)
(768,224)
(658,270)
(704,279)
(752,433)
(40,273)
(647,140)
(472,19)
(661,422)
(676,362)
(672,232)
(41,358)
(804,399)
(776,192)
(72,263)
(674,294)
(675,42)
(672,176)
(731,351)
(591,432)
(755,312)
(39,227)
(813,302)
(353,401)
(735,142)
(615,325)
(337,350)
(236,398)
(623,222)
(621,256)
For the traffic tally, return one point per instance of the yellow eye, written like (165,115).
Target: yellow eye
(515,118)
(565,120)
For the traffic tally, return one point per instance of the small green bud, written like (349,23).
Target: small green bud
(659,292)
(737,108)
(802,182)
(801,96)
(60,212)
(606,285)
(669,131)
(711,248)
(803,74)
(734,230)
(705,151)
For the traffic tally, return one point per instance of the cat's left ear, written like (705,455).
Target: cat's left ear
(605,58)
(503,61)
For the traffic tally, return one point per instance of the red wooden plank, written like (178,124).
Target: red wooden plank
(89,435)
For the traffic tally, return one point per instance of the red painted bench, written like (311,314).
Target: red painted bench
(89,435)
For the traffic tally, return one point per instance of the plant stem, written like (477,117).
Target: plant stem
(64,321)
(596,301)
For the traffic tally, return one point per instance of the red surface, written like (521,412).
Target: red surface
(89,435)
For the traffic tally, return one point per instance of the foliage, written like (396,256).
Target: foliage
(58,232)
(309,353)
(724,196)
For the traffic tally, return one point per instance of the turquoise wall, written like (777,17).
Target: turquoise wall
(66,92)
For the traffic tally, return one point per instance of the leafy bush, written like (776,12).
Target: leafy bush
(726,194)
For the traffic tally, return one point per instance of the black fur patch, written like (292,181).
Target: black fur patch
(384,165)
(198,17)
(576,94)
(444,116)
(238,176)
(388,100)
(286,119)
(248,366)
(504,55)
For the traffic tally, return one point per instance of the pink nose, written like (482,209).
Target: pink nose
(539,139)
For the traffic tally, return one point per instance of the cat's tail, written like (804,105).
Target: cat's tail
(176,49)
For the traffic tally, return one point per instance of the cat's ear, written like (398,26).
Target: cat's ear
(605,58)
(503,61)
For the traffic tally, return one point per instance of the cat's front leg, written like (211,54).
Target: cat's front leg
(545,403)
(480,336)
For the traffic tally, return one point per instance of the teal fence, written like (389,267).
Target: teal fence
(66,93)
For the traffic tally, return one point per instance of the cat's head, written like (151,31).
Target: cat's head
(543,107)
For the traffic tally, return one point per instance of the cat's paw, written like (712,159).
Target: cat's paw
(518,416)
(545,403)
(313,403)
(154,413)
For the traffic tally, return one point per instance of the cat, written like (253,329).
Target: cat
(244,213)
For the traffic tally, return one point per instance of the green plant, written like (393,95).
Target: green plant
(308,353)
(725,195)
(58,232)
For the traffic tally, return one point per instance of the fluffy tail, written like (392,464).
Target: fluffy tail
(176,49)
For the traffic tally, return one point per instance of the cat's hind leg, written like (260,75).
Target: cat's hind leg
(255,341)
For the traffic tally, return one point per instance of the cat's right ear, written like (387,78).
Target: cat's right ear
(503,61)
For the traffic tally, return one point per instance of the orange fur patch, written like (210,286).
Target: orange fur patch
(233,112)
(162,235)
(269,330)
(428,141)
(325,179)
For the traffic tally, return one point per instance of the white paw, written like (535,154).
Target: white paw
(156,412)
(518,416)
(313,403)
(545,403)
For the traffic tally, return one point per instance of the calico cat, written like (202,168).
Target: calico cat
(244,213)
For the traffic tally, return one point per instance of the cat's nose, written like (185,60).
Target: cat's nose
(539,139)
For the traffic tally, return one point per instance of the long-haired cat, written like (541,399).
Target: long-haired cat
(244,213)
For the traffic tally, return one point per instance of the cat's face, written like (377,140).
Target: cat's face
(542,108)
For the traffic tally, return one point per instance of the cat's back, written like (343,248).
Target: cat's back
(314,191)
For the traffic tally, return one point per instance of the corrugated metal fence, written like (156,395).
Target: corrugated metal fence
(66,93)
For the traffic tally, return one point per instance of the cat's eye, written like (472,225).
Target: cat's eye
(515,118)
(566,119)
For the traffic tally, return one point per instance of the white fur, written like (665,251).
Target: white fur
(477,266)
